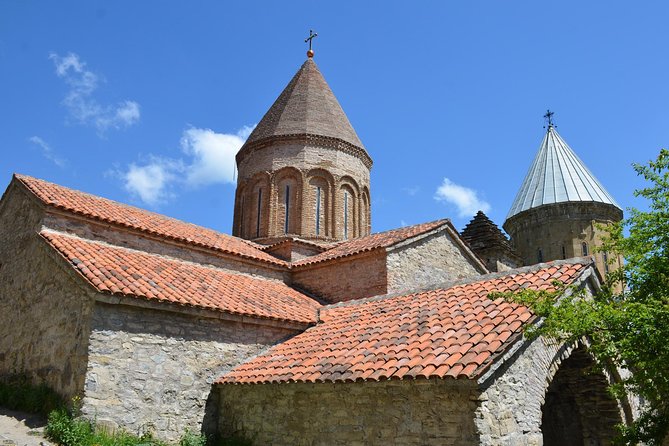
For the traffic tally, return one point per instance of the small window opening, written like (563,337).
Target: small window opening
(564,253)
(540,255)
(606,262)
(584,249)
(287,203)
(258,215)
(345,215)
(318,211)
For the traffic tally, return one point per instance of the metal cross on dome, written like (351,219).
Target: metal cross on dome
(312,34)
(549,118)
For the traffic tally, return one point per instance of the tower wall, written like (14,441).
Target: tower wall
(324,190)
(563,230)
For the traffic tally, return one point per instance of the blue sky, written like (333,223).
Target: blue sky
(147,102)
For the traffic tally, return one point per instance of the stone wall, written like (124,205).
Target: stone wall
(345,279)
(152,370)
(408,412)
(44,310)
(559,231)
(433,259)
(514,397)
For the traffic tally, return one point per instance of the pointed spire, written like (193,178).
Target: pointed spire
(557,175)
(481,232)
(306,106)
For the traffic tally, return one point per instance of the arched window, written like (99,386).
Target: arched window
(319,192)
(318,195)
(345,215)
(584,249)
(287,213)
(540,255)
(258,212)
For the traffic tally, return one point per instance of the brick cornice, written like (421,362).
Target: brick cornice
(306,139)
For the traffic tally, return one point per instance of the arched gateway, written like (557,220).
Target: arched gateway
(549,394)
(577,409)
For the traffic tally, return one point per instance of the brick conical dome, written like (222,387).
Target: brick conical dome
(306,105)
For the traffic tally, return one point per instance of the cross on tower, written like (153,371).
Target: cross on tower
(312,34)
(549,118)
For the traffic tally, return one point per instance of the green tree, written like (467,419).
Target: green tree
(628,329)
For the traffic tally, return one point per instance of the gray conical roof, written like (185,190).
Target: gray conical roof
(306,106)
(557,175)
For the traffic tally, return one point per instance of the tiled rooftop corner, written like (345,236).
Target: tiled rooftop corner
(454,332)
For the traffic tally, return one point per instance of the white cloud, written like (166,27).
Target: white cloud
(465,199)
(151,183)
(81,104)
(212,155)
(209,159)
(47,151)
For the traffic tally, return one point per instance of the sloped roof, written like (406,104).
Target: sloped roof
(481,232)
(557,175)
(131,273)
(108,211)
(456,332)
(373,241)
(306,106)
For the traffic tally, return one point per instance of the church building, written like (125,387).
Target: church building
(303,327)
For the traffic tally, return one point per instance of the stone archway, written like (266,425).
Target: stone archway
(577,409)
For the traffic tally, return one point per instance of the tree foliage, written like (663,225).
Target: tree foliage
(628,329)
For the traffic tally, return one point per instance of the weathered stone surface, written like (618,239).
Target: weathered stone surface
(560,231)
(420,412)
(513,399)
(44,311)
(152,370)
(430,260)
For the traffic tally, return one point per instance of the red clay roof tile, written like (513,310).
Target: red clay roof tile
(372,242)
(379,338)
(149,276)
(108,211)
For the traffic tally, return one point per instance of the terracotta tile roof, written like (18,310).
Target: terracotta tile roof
(456,332)
(373,241)
(109,211)
(127,272)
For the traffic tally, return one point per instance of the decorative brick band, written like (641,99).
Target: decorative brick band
(307,139)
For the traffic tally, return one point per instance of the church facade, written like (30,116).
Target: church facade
(302,328)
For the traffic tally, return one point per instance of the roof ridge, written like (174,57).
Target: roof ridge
(441,286)
(334,252)
(162,226)
(160,278)
(47,230)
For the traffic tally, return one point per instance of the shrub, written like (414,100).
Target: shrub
(18,392)
(192,439)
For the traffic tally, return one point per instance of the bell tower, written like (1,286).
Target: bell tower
(303,172)
(560,208)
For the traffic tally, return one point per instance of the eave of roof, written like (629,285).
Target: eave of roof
(137,274)
(129,217)
(455,332)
